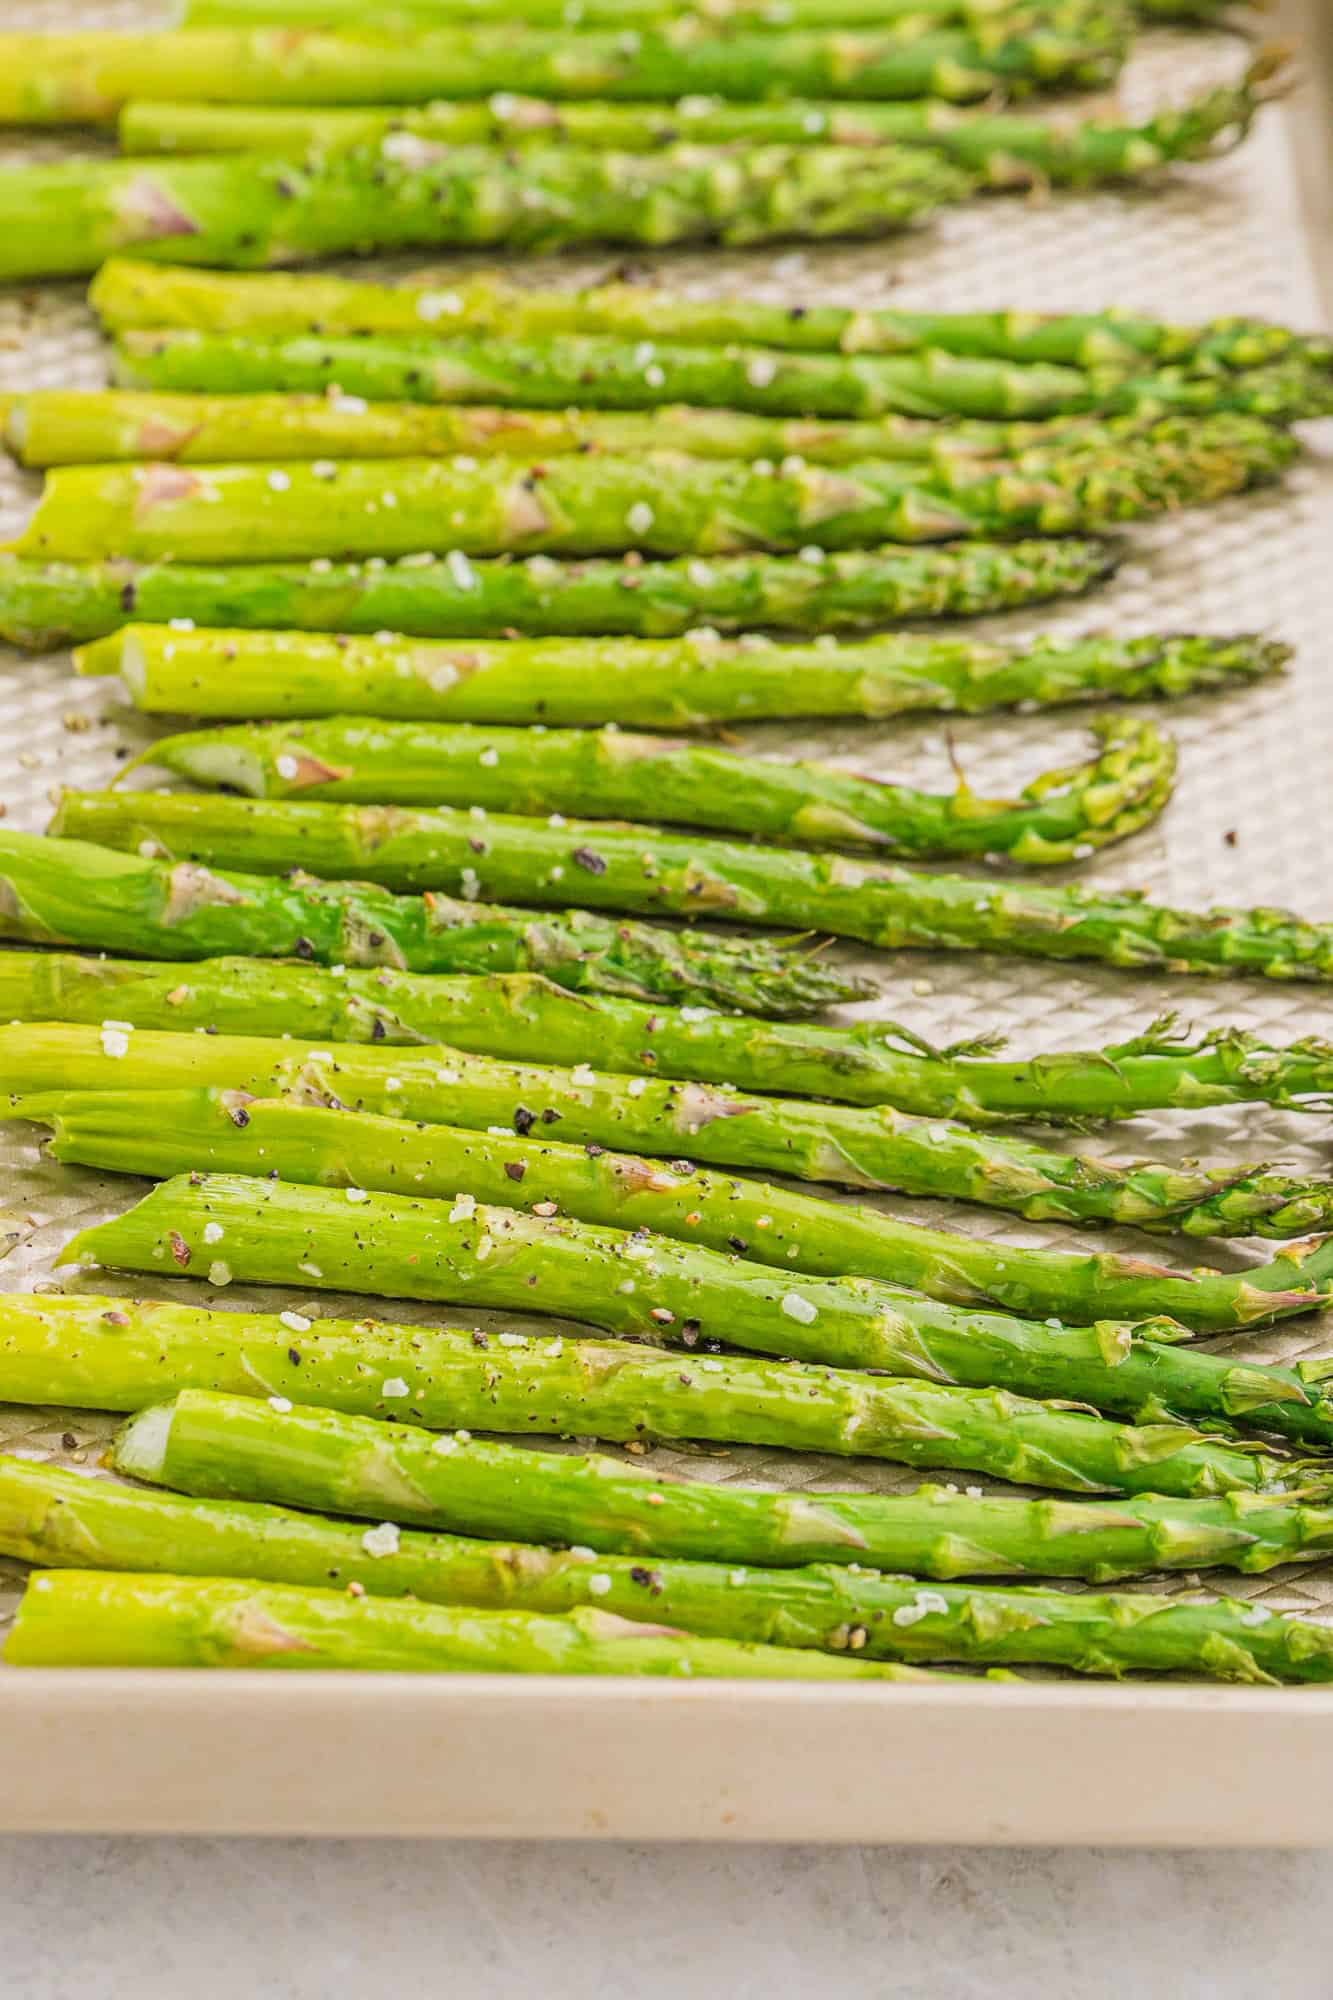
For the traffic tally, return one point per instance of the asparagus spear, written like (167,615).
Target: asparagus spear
(1002,149)
(55,1519)
(246,210)
(84,78)
(43,605)
(749,14)
(662,503)
(82,426)
(89,1618)
(661,684)
(620,1506)
(614,1393)
(56,892)
(775,1225)
(874,1148)
(127,293)
(273,1231)
(620,13)
(1063,815)
(527,1017)
(883,905)
(553,370)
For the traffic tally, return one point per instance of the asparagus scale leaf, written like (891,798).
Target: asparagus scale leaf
(638,868)
(55,1519)
(1061,816)
(527,1017)
(664,503)
(130,294)
(621,1393)
(58,892)
(276,1232)
(44,605)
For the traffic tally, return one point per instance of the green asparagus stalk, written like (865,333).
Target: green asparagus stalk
(623,13)
(274,1232)
(662,684)
(85,78)
(54,892)
(55,1519)
(246,210)
(127,294)
(49,427)
(873,1148)
(882,905)
(1133,1372)
(776,1225)
(661,503)
(90,1618)
(618,1506)
(749,14)
(1061,816)
(45,605)
(554,370)
(1002,149)
(526,1017)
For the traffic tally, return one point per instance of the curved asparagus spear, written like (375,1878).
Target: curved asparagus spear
(553,370)
(683,684)
(83,78)
(274,1232)
(89,1618)
(48,427)
(246,210)
(57,892)
(1063,815)
(819,1142)
(525,1016)
(778,1226)
(616,1505)
(55,1519)
(619,1394)
(127,293)
(44,605)
(662,503)
(885,906)
(1003,149)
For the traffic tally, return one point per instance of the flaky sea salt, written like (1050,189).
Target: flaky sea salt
(381,1541)
(798,1308)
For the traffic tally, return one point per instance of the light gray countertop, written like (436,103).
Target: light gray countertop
(87,1919)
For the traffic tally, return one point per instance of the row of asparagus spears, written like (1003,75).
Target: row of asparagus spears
(245,1462)
(384,1170)
(676,129)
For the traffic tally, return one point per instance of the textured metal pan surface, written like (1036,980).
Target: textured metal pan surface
(1253,817)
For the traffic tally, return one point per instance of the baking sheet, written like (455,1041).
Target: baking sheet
(1252,822)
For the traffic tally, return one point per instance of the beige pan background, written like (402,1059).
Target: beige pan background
(1052,1762)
